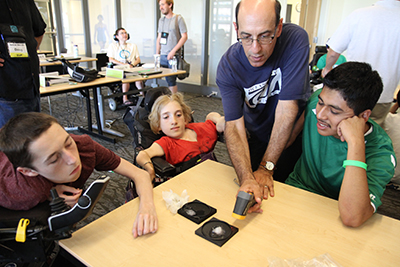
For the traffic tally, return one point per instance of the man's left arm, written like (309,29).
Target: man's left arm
(331,59)
(181,42)
(285,116)
(39,41)
(146,220)
(294,89)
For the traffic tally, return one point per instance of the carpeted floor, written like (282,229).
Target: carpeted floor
(70,110)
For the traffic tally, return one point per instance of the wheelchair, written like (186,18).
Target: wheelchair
(28,238)
(136,118)
(115,102)
(315,76)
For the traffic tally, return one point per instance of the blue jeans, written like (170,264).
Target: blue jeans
(171,80)
(9,109)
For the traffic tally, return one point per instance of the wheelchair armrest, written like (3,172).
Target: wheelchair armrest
(80,210)
(37,215)
(162,167)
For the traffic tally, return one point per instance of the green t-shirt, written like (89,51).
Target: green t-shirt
(320,170)
(322,61)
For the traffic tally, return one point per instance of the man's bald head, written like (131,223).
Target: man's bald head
(260,5)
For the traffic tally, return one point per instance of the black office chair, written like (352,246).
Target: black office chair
(102,60)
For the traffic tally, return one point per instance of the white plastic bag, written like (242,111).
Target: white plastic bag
(173,201)
(324,260)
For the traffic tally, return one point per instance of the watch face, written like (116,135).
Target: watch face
(269,165)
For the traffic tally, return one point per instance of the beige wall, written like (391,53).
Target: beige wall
(332,14)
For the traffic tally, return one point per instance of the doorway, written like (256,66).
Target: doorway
(309,20)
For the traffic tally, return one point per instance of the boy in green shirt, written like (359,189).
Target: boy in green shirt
(346,155)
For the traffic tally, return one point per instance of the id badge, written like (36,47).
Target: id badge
(17,50)
(14,40)
(164,37)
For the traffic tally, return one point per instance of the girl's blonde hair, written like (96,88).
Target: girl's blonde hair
(160,103)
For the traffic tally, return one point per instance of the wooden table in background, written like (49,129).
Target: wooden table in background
(98,98)
(165,72)
(96,84)
(295,223)
(45,63)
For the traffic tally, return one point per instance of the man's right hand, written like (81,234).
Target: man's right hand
(251,186)
(1,62)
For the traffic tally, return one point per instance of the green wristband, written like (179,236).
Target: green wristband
(355,163)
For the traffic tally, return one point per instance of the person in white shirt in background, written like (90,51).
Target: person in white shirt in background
(372,35)
(123,53)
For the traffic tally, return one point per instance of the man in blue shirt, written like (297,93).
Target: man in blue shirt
(264,84)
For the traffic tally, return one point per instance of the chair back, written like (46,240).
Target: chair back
(102,60)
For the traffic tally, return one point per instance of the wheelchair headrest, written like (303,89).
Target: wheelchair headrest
(152,95)
(321,49)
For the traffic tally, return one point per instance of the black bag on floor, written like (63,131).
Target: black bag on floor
(183,65)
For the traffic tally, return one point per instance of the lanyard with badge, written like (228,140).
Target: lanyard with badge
(14,40)
(164,35)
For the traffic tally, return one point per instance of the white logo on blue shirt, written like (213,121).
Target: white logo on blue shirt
(259,93)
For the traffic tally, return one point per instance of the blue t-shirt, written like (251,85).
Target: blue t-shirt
(284,76)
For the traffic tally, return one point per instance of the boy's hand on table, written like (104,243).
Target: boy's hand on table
(146,221)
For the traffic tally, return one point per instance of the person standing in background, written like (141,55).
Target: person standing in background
(100,32)
(172,35)
(22,28)
(372,35)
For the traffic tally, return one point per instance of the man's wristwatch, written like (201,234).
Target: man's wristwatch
(268,165)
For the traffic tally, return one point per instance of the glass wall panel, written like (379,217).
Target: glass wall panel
(73,26)
(48,38)
(102,21)
(138,18)
(193,12)
(221,32)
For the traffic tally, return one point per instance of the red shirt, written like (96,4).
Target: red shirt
(178,150)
